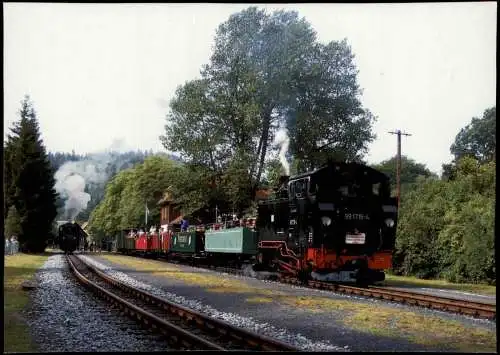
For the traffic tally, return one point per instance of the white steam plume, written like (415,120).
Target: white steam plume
(283,141)
(72,186)
(72,177)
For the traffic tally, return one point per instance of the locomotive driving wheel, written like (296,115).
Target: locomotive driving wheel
(304,274)
(362,273)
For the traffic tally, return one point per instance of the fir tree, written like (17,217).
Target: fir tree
(12,223)
(29,181)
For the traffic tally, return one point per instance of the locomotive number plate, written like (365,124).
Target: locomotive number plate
(182,239)
(355,238)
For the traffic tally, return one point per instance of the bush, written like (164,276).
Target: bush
(446,228)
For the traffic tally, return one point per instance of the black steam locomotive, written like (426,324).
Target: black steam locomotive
(336,223)
(71,237)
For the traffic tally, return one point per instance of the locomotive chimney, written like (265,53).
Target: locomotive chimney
(283,179)
(282,188)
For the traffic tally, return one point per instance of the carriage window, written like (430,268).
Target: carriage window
(376,189)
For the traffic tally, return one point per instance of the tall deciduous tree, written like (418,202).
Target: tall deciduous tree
(477,139)
(267,72)
(29,180)
(410,170)
(128,193)
(327,119)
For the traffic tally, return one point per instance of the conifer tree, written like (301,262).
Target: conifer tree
(29,181)
(12,223)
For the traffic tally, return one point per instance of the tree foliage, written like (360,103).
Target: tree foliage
(107,163)
(12,222)
(267,71)
(130,191)
(446,228)
(274,170)
(57,159)
(29,181)
(410,171)
(477,139)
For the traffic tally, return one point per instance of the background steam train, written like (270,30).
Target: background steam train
(336,223)
(70,237)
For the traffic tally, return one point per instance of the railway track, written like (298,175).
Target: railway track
(474,309)
(452,305)
(186,329)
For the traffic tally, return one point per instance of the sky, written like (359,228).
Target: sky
(98,73)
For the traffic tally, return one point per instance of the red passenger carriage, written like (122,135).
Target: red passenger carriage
(153,241)
(141,241)
(165,239)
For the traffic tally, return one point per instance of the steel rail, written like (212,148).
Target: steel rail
(453,305)
(250,339)
(475,309)
(175,333)
(470,308)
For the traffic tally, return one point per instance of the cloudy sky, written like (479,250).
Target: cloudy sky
(107,72)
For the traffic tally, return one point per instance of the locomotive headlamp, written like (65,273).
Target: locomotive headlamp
(389,222)
(326,221)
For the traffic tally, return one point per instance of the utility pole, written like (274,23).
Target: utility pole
(398,160)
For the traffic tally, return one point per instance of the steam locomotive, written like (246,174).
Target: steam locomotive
(71,237)
(336,223)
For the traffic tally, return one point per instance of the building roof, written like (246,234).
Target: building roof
(167,197)
(263,194)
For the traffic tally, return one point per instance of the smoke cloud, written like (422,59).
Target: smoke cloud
(73,176)
(283,141)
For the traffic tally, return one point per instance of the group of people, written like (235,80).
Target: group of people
(242,222)
(184,226)
(11,245)
(91,247)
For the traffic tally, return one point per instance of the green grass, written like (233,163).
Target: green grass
(370,318)
(213,283)
(387,321)
(405,281)
(18,268)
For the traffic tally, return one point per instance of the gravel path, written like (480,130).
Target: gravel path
(311,331)
(64,316)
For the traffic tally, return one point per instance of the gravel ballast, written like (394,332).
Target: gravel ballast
(307,330)
(64,316)
(295,339)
